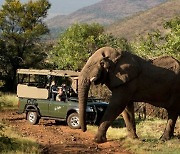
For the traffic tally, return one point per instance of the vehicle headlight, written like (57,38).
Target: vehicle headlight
(89,109)
(100,109)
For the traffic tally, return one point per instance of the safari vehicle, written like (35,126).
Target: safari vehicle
(34,93)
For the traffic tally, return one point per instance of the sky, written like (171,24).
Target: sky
(64,7)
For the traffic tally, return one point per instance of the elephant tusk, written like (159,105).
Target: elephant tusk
(93,79)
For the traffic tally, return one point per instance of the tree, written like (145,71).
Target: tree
(79,42)
(158,43)
(21,27)
(172,43)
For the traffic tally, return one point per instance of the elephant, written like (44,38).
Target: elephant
(130,78)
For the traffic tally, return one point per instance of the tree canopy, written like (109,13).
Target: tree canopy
(21,27)
(79,42)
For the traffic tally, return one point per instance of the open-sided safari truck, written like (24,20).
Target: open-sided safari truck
(34,91)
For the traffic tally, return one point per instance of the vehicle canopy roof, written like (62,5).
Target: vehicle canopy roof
(32,91)
(65,73)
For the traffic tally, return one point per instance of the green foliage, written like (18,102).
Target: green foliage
(157,43)
(79,42)
(172,44)
(21,26)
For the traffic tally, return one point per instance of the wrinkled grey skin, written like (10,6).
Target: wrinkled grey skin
(131,79)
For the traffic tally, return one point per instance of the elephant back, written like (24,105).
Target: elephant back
(167,62)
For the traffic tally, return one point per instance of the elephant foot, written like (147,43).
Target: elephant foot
(100,139)
(133,136)
(165,137)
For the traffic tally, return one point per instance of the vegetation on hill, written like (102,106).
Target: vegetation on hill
(105,12)
(158,43)
(145,22)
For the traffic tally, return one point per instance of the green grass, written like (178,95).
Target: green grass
(12,142)
(8,101)
(149,132)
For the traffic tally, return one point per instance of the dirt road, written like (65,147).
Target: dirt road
(59,139)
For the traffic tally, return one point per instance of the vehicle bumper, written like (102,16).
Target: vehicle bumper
(19,112)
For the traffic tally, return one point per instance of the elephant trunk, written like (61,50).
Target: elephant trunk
(83,89)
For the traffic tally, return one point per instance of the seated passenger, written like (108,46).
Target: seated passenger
(61,95)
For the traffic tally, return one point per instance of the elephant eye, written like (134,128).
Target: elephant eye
(102,63)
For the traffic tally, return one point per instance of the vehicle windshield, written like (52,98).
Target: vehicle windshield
(93,99)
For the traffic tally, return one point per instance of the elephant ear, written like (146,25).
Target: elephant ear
(126,69)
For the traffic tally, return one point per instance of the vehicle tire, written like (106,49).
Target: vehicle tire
(73,121)
(32,117)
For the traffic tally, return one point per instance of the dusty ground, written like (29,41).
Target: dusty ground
(59,138)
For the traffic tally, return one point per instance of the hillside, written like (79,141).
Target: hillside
(145,22)
(104,12)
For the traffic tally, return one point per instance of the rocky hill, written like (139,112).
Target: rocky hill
(145,22)
(104,12)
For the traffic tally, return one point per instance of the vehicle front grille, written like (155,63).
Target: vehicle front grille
(100,112)
(91,116)
(96,116)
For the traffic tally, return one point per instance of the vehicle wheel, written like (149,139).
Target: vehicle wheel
(32,117)
(73,121)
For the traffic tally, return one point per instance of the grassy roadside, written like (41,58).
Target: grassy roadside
(8,101)
(149,132)
(12,141)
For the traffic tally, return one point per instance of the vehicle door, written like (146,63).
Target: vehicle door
(58,109)
(43,106)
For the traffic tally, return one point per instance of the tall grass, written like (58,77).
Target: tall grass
(8,101)
(149,132)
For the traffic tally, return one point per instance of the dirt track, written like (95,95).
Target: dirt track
(59,139)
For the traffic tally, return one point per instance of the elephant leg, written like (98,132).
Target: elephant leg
(169,130)
(113,110)
(128,115)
